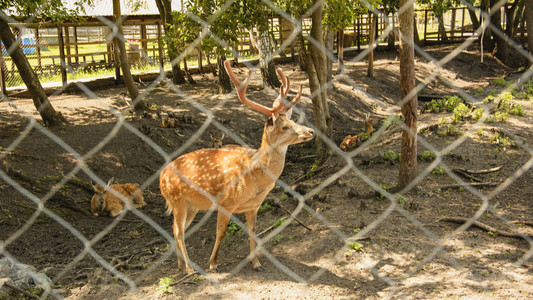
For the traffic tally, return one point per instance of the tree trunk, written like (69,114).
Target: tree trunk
(488,44)
(223,77)
(391,39)
(529,25)
(264,44)
(442,29)
(502,48)
(138,104)
(415,30)
(408,163)
(329,38)
(165,10)
(301,50)
(317,72)
(340,50)
(371,41)
(473,19)
(511,23)
(40,99)
(200,61)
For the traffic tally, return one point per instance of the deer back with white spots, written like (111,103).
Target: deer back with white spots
(231,179)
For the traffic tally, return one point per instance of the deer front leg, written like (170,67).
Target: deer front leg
(250,224)
(222,226)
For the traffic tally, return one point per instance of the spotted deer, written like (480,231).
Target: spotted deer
(231,179)
(352,141)
(105,202)
(217,140)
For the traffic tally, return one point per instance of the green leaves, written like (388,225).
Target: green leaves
(51,10)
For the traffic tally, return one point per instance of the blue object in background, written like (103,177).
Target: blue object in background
(27,41)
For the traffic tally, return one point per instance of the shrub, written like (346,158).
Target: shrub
(451,130)
(460,113)
(477,113)
(428,155)
(498,81)
(391,155)
(449,103)
(517,110)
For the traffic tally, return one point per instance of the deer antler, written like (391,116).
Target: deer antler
(284,90)
(241,92)
(277,107)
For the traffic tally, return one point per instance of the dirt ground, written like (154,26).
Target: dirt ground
(406,249)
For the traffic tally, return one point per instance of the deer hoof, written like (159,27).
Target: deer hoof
(214,269)
(259,268)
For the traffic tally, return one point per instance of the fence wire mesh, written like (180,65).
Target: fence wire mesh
(415,255)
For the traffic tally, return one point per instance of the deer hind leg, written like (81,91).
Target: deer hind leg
(222,226)
(251,216)
(116,210)
(180,220)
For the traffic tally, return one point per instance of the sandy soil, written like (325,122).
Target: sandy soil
(406,248)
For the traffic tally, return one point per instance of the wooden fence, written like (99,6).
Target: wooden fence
(86,46)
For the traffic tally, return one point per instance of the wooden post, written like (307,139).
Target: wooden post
(76,43)
(359,34)
(62,54)
(144,42)
(425,25)
(67,45)
(160,45)
(463,23)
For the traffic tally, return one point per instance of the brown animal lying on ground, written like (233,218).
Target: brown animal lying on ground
(168,122)
(105,202)
(352,141)
(349,142)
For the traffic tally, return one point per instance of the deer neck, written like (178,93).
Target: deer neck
(272,155)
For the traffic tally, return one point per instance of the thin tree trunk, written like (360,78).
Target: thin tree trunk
(223,77)
(473,19)
(264,44)
(529,26)
(415,30)
(488,43)
(442,29)
(138,104)
(391,39)
(200,61)
(329,38)
(371,41)
(317,72)
(187,73)
(301,50)
(340,50)
(502,48)
(408,162)
(49,115)
(511,23)
(165,10)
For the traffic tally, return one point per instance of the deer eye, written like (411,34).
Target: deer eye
(285,128)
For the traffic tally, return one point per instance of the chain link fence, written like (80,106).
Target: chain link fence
(346,234)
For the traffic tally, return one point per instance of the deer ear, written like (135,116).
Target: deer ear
(270,123)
